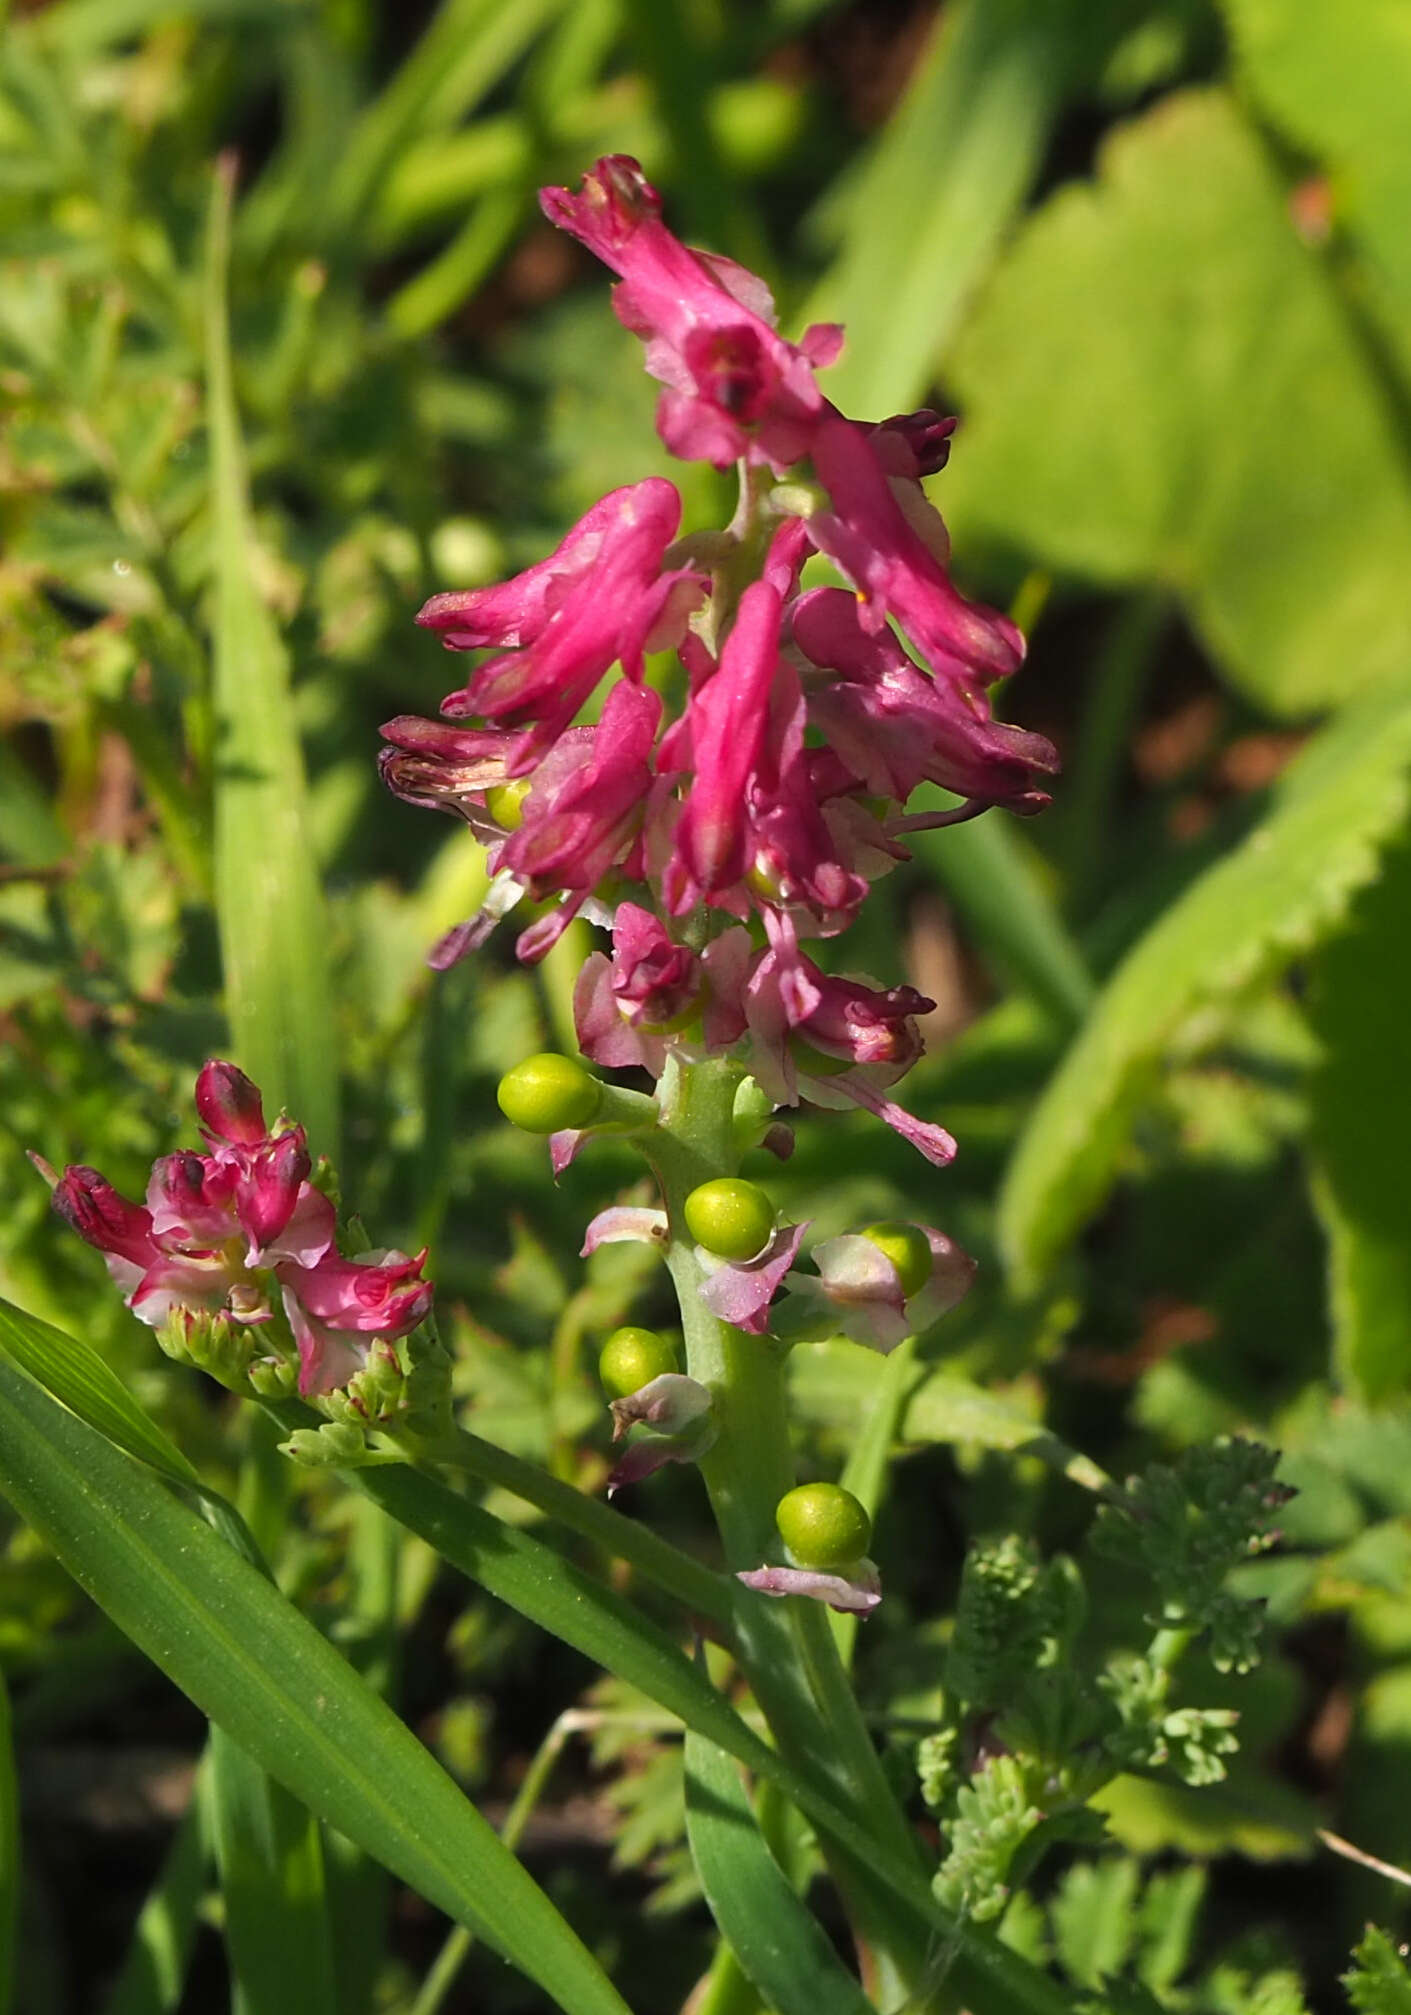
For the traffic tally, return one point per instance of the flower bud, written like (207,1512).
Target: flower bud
(228,1105)
(907,1247)
(632,1358)
(547,1093)
(823,1525)
(730,1217)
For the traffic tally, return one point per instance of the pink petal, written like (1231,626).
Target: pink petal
(859,1592)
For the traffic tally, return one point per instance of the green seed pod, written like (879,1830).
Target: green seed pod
(730,1217)
(632,1358)
(823,1525)
(907,1247)
(547,1093)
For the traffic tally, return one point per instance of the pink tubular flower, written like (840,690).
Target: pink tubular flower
(894,728)
(875,541)
(734,386)
(443,768)
(861,1289)
(625,1008)
(601,597)
(859,1590)
(328,1305)
(728,719)
(739,1291)
(155,1273)
(798,1015)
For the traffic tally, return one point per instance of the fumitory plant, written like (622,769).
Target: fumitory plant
(705,744)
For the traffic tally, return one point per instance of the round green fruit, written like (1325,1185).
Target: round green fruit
(909,1250)
(730,1217)
(823,1525)
(547,1093)
(632,1358)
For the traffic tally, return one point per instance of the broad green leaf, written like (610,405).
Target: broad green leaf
(75,1374)
(1094,1918)
(778,1943)
(273,930)
(1337,81)
(154,1971)
(9,1852)
(1160,432)
(1273,898)
(1361,1125)
(247,1658)
(948,174)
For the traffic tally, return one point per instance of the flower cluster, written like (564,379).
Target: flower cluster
(229,1239)
(715,835)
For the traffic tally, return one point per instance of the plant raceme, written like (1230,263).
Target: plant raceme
(233,1259)
(715,838)
(730,801)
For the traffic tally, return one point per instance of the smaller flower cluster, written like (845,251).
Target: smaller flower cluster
(229,1240)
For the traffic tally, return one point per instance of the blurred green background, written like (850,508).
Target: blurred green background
(285,347)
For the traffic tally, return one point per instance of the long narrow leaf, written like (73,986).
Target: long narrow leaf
(270,1858)
(273,930)
(776,1940)
(74,1373)
(219,1629)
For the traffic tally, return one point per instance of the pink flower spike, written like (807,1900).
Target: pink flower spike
(871,538)
(229,1105)
(858,1591)
(740,1292)
(734,386)
(668,1404)
(622,1223)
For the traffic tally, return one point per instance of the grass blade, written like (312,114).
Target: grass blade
(273,929)
(223,1634)
(270,1858)
(948,174)
(777,1942)
(77,1376)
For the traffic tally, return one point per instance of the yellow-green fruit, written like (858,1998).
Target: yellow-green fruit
(632,1358)
(730,1217)
(823,1525)
(505,803)
(547,1093)
(909,1250)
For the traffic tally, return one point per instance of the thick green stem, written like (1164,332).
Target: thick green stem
(785,1644)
